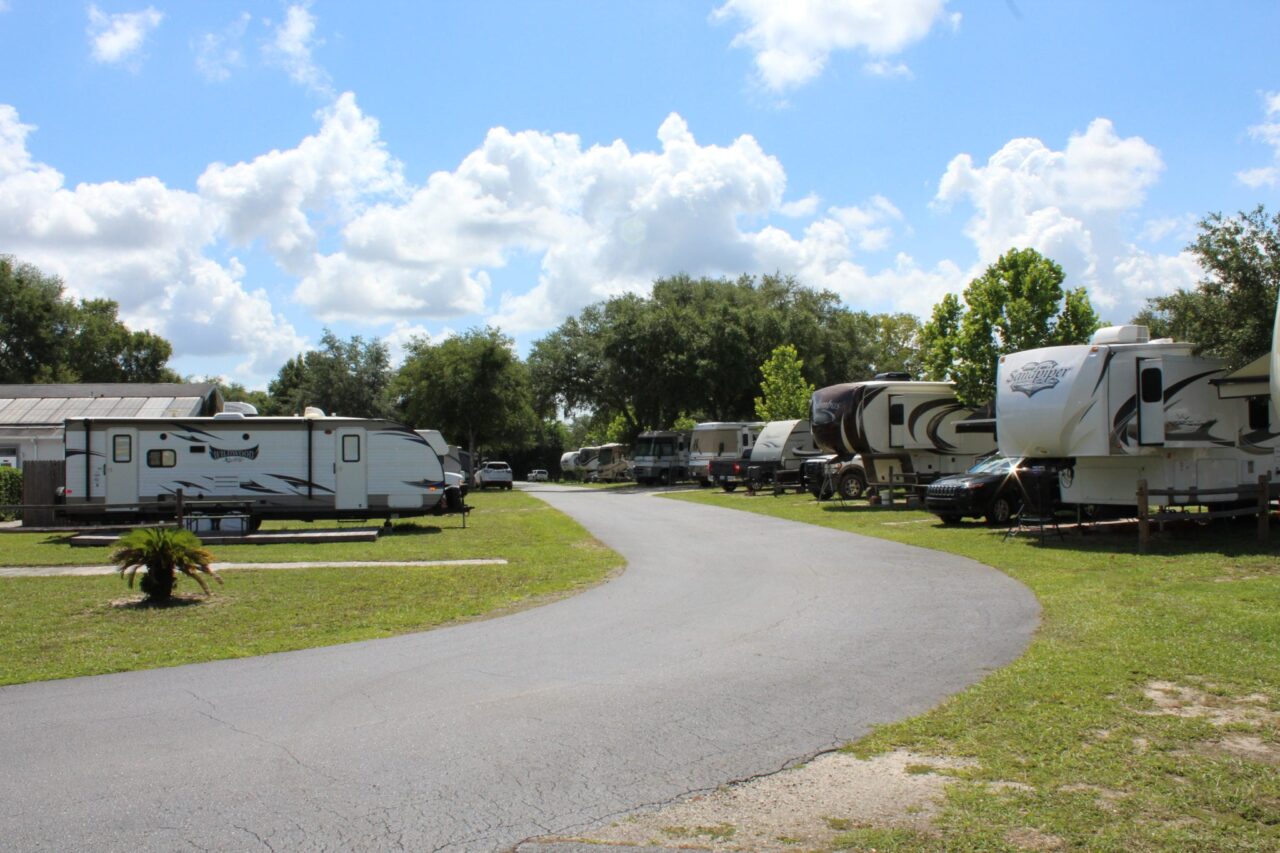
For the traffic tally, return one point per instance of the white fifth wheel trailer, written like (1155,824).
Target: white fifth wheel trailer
(311,467)
(896,428)
(1124,408)
(719,440)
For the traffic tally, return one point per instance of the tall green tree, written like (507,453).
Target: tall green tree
(784,393)
(1230,312)
(47,337)
(1018,303)
(349,378)
(472,387)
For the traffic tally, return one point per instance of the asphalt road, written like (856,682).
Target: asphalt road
(733,645)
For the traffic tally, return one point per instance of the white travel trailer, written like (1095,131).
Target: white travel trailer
(719,440)
(662,456)
(898,427)
(1124,408)
(309,467)
(569,464)
(781,450)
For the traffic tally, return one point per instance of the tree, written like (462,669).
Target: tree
(470,386)
(163,552)
(351,378)
(46,337)
(1018,303)
(784,393)
(1230,312)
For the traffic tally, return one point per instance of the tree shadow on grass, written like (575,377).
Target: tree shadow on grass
(413,528)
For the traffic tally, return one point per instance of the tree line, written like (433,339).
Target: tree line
(693,349)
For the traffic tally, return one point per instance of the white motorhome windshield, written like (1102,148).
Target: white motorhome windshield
(658,447)
(717,441)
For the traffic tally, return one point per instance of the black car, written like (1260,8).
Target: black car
(995,489)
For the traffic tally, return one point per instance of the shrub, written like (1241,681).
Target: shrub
(163,552)
(10,491)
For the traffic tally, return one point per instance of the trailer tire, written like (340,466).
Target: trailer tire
(853,484)
(452,500)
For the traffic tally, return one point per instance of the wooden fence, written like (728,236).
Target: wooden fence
(40,483)
(1257,496)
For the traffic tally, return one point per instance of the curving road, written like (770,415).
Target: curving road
(732,645)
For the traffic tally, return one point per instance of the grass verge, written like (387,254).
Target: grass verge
(1145,715)
(59,627)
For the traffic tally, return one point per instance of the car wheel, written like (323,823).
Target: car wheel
(1000,513)
(852,484)
(728,487)
(949,517)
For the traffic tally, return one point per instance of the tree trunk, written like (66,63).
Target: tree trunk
(157,583)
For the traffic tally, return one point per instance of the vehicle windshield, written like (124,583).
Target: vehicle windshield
(656,447)
(993,465)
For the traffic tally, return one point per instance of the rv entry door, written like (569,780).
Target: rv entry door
(1150,401)
(121,469)
(350,469)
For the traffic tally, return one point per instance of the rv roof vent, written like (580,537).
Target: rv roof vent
(1121,335)
(313,412)
(893,376)
(229,416)
(247,409)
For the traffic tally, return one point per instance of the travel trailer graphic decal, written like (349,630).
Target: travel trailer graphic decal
(234,455)
(1036,376)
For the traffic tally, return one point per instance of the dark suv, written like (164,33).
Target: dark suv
(994,488)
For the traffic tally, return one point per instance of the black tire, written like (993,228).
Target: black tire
(1001,511)
(704,484)
(255,523)
(853,484)
(728,487)
(950,517)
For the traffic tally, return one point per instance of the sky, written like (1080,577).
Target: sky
(240,176)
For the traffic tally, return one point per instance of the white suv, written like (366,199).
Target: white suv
(538,475)
(497,474)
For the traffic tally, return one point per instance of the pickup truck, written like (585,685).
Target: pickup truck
(729,473)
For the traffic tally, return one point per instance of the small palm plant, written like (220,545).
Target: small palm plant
(163,552)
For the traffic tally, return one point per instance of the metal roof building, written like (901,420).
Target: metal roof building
(31,416)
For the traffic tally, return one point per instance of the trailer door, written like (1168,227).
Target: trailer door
(351,470)
(121,469)
(1150,401)
(897,420)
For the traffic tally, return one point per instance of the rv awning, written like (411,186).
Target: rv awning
(1252,380)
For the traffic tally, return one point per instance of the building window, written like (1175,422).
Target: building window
(122,448)
(161,458)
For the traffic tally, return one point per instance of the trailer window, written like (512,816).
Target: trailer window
(896,415)
(161,458)
(122,448)
(351,448)
(1152,385)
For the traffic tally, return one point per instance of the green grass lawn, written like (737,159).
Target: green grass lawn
(58,627)
(1072,753)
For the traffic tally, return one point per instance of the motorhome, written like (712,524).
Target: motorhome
(719,440)
(662,456)
(309,467)
(1125,408)
(899,431)
(612,463)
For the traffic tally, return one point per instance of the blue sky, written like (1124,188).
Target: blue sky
(241,175)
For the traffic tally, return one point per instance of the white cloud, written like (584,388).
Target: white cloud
(1075,206)
(792,41)
(119,37)
(291,45)
(331,174)
(1268,133)
(218,53)
(141,244)
(884,68)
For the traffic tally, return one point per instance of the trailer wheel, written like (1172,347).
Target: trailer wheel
(852,484)
(728,487)
(1000,513)
(255,522)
